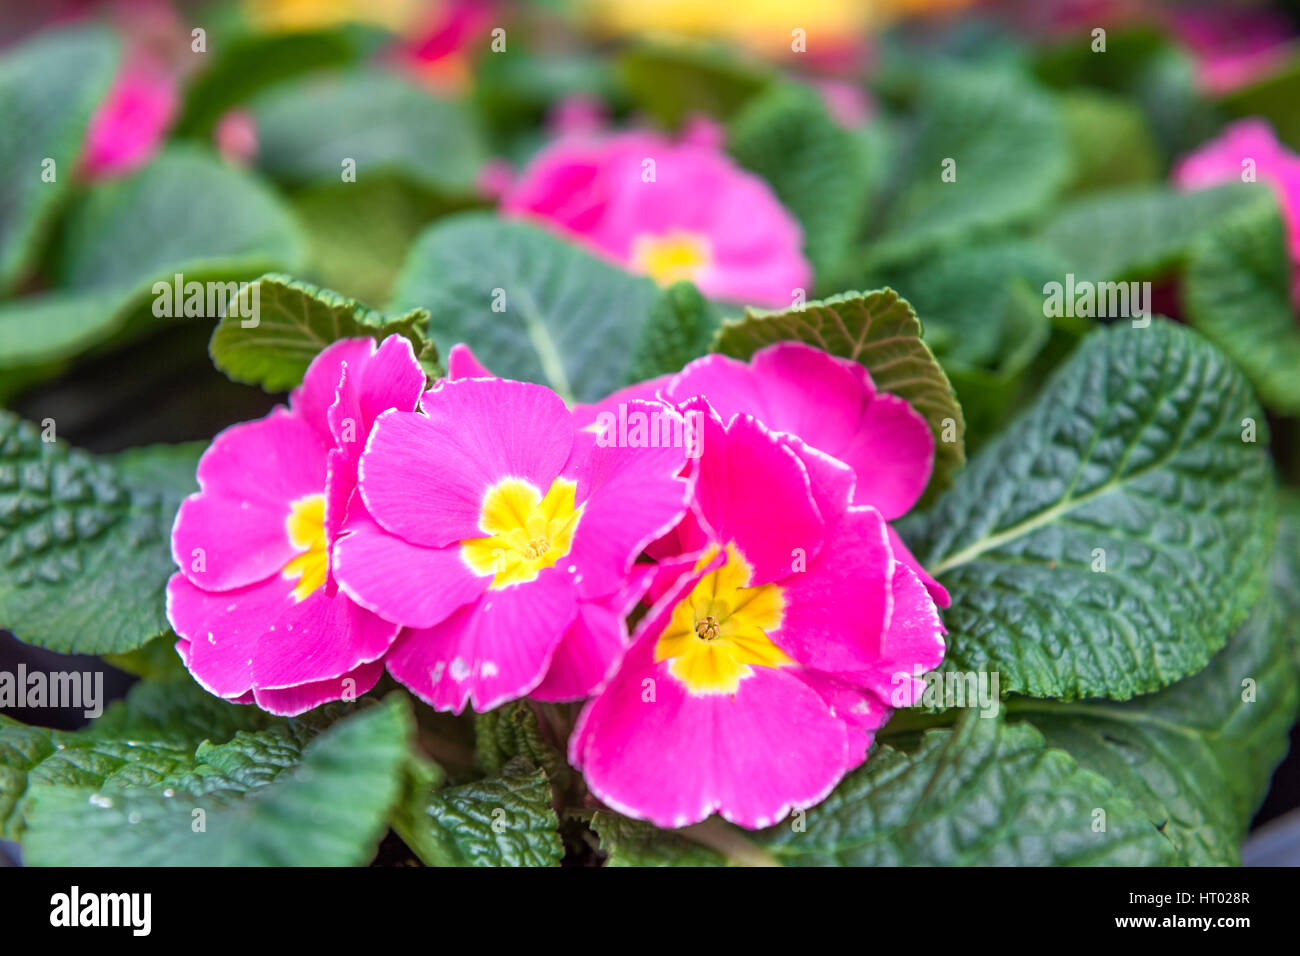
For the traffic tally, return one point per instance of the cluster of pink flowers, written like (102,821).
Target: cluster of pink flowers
(483,542)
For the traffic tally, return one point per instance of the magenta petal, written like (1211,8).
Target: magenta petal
(630,496)
(594,643)
(893,455)
(340,486)
(424,476)
(903,555)
(913,646)
(400,581)
(812,394)
(461,363)
(862,712)
(743,471)
(320,383)
(247,478)
(494,650)
(651,750)
(291,701)
(837,610)
(831,480)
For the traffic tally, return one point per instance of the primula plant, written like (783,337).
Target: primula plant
(618,433)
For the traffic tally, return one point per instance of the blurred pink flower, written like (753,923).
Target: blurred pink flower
(133,119)
(670,209)
(236,137)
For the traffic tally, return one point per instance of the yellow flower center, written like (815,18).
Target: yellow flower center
(670,257)
(306,528)
(720,629)
(526,532)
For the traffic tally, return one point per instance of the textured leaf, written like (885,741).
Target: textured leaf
(185,213)
(819,170)
(1237,291)
(85,543)
(1009,144)
(381,122)
(1197,756)
(1135,232)
(49,87)
(627,842)
(881,331)
(504,820)
(680,327)
(512,731)
(295,321)
(1135,447)
(140,741)
(983,793)
(566,315)
(287,796)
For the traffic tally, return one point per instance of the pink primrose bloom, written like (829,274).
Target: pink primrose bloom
(669,209)
(760,677)
(503,537)
(255,605)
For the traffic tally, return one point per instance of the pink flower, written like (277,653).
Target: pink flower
(669,209)
(1221,161)
(760,678)
(829,402)
(130,125)
(255,604)
(504,538)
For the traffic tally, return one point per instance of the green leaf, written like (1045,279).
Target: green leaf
(1110,142)
(295,321)
(1197,756)
(820,171)
(1135,232)
(879,330)
(1009,145)
(627,842)
(279,797)
(140,741)
(49,87)
(307,129)
(511,731)
(84,542)
(1237,291)
(671,83)
(680,327)
(185,213)
(981,794)
(1135,447)
(532,306)
(241,65)
(504,820)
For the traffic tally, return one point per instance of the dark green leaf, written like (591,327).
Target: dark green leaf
(1134,459)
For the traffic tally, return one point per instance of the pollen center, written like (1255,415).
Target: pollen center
(525,530)
(719,630)
(306,528)
(671,257)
